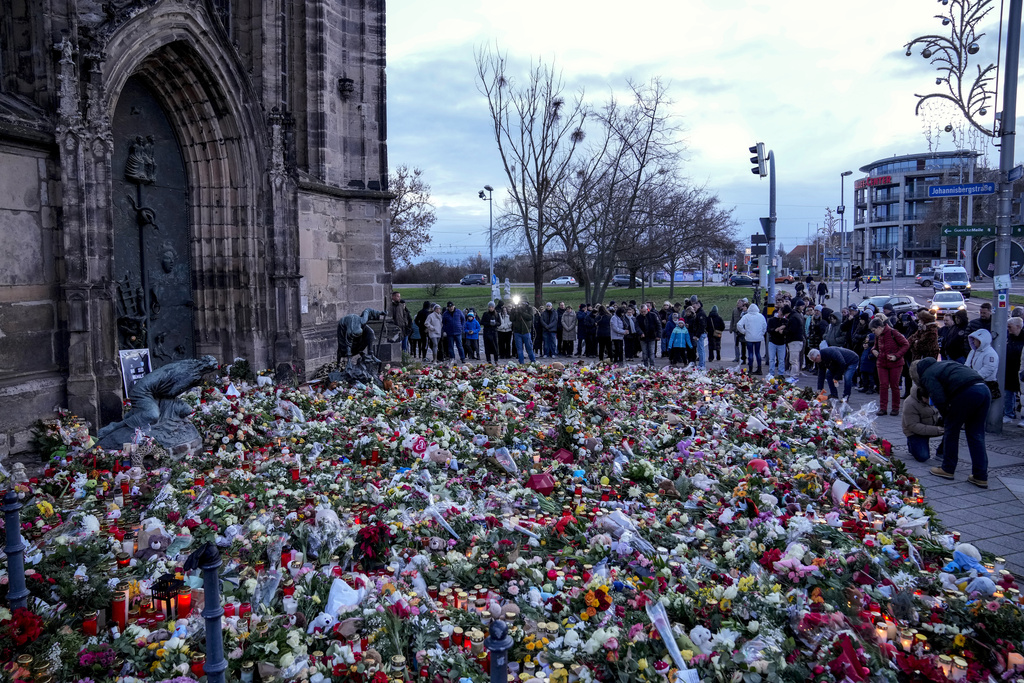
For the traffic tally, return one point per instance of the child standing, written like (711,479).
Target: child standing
(868,371)
(920,420)
(472,336)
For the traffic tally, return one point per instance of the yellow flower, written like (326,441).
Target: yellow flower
(584,616)
(641,664)
(960,640)
(161,652)
(531,646)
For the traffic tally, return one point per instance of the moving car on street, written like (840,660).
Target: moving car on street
(925,277)
(622,280)
(474,279)
(947,302)
(952,278)
(564,280)
(899,303)
(742,281)
(785,280)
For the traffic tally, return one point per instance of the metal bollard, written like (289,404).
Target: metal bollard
(498,643)
(207,558)
(17,594)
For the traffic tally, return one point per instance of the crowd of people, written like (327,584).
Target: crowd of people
(943,373)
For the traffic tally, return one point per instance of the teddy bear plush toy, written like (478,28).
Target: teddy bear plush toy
(156,547)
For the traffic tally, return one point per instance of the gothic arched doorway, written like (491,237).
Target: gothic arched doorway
(152,251)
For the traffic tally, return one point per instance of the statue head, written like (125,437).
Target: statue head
(167,259)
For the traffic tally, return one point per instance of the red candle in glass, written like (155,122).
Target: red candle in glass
(288,590)
(229,609)
(375,457)
(184,603)
(90,624)
(199,481)
(295,474)
(197,665)
(119,608)
(124,488)
(286,557)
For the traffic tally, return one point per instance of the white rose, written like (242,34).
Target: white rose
(287,660)
(753,626)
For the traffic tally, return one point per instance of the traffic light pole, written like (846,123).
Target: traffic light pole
(1001,279)
(771,235)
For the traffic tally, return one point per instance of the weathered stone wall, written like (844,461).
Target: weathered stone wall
(31,381)
(280,111)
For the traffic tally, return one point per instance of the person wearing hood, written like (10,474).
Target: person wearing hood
(419,344)
(890,348)
(835,335)
(920,418)
(983,359)
(963,399)
(753,327)
(549,328)
(472,333)
(833,362)
(568,323)
(740,342)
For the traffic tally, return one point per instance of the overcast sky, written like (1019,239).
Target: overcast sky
(826,85)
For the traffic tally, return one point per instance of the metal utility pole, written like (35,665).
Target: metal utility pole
(1001,277)
(490,232)
(764,164)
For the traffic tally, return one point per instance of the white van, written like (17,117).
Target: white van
(952,278)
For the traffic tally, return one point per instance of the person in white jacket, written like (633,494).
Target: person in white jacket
(434,324)
(983,359)
(753,327)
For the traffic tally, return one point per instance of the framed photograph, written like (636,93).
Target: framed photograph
(134,366)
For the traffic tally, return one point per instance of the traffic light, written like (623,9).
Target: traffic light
(759,161)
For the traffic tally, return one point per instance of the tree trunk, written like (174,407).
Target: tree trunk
(538,280)
(672,279)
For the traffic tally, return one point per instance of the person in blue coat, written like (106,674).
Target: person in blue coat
(472,331)
(453,323)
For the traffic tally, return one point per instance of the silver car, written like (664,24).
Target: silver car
(947,302)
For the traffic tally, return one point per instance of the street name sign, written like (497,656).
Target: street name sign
(962,190)
(979,230)
(1016,173)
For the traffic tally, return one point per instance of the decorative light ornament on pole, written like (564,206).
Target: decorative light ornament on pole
(764,165)
(490,231)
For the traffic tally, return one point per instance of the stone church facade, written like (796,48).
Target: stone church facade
(188,177)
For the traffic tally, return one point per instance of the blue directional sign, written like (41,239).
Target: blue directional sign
(963,190)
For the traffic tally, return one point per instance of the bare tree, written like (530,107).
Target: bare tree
(412,215)
(537,132)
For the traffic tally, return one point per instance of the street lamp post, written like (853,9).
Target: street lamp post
(490,231)
(844,283)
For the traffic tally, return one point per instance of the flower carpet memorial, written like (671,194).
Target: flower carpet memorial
(624,525)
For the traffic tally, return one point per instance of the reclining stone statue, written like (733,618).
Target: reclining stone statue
(157,410)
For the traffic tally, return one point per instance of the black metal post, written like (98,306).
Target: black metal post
(498,643)
(17,594)
(212,612)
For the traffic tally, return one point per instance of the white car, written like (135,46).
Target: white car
(947,302)
(564,280)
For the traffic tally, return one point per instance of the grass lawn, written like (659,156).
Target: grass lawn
(720,295)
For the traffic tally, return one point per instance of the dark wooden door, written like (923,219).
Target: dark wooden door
(152,268)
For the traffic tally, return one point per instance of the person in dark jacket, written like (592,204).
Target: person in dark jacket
(1014,347)
(538,334)
(822,291)
(604,333)
(522,317)
(868,367)
(958,345)
(834,334)
(963,399)
(739,341)
(833,362)
(549,321)
(699,331)
(649,324)
(582,327)
(777,342)
(716,328)
(419,347)
(983,321)
(794,341)
(924,343)
(489,321)
(453,323)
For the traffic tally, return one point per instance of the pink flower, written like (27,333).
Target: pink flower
(992,606)
(611,644)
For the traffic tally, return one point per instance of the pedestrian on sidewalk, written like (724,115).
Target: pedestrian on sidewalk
(890,347)
(716,327)
(920,419)
(963,400)
(434,325)
(619,328)
(472,334)
(753,326)
(983,359)
(794,341)
(868,366)
(834,362)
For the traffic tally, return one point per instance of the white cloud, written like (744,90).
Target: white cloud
(825,84)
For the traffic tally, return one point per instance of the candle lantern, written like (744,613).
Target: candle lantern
(247,671)
(959,668)
(198,660)
(946,664)
(882,633)
(165,595)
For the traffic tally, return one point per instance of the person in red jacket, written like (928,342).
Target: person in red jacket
(890,347)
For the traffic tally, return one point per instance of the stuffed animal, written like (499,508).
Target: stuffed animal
(156,547)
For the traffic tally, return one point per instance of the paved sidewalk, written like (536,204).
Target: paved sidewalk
(993,518)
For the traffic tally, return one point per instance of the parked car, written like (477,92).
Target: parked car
(474,279)
(742,281)
(564,280)
(925,277)
(952,278)
(899,303)
(784,279)
(947,302)
(622,280)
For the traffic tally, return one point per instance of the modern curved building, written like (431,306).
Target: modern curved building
(891,207)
